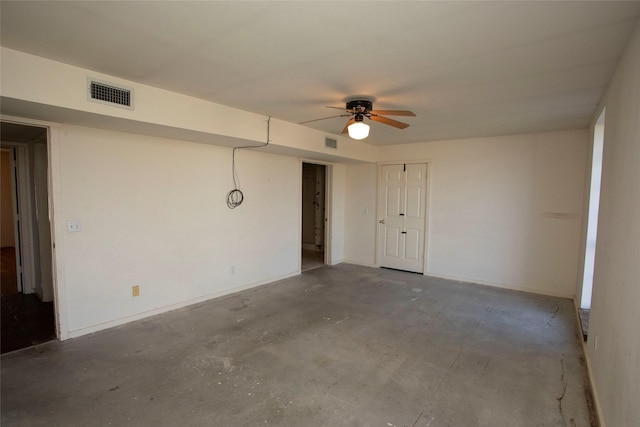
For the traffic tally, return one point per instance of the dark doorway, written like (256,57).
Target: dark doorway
(25,256)
(313,215)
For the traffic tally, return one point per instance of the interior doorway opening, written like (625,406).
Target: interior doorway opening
(314,219)
(592,223)
(27,296)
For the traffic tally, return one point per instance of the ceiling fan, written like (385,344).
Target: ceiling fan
(358,109)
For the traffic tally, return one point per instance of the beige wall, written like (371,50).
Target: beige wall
(613,347)
(6,204)
(338,228)
(43,89)
(149,187)
(504,211)
(153,214)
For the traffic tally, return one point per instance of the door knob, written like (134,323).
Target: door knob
(382,221)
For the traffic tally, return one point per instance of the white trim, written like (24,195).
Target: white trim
(427,211)
(29,122)
(315,162)
(299,216)
(57,229)
(40,192)
(328,204)
(548,292)
(406,162)
(376,232)
(594,390)
(121,321)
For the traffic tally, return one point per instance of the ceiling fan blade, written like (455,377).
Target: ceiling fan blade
(388,121)
(324,118)
(351,121)
(393,112)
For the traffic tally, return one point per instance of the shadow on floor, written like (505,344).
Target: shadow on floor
(311,259)
(26,321)
(9,277)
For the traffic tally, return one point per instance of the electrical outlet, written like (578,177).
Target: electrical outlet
(73,226)
(135,291)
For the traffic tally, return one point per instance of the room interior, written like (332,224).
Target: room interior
(507,100)
(27,285)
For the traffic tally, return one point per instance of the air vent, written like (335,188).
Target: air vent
(110,94)
(330,143)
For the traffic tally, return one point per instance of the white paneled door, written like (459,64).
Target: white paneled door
(401,222)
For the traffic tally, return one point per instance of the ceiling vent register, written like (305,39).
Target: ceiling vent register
(110,94)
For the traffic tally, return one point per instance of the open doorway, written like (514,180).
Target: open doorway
(314,179)
(26,257)
(592,224)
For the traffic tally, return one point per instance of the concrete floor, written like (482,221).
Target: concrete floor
(336,346)
(311,259)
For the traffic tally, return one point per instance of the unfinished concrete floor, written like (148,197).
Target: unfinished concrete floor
(336,346)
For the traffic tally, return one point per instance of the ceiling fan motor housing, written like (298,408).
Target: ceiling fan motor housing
(360,106)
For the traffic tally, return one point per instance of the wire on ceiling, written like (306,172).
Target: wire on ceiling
(235,197)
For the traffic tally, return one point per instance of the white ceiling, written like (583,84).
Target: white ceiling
(467,69)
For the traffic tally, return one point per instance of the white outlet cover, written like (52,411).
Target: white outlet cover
(73,226)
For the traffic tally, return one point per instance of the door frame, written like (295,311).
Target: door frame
(54,131)
(328,203)
(427,208)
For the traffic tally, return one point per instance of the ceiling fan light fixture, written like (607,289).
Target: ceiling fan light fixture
(358,130)
(358,109)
